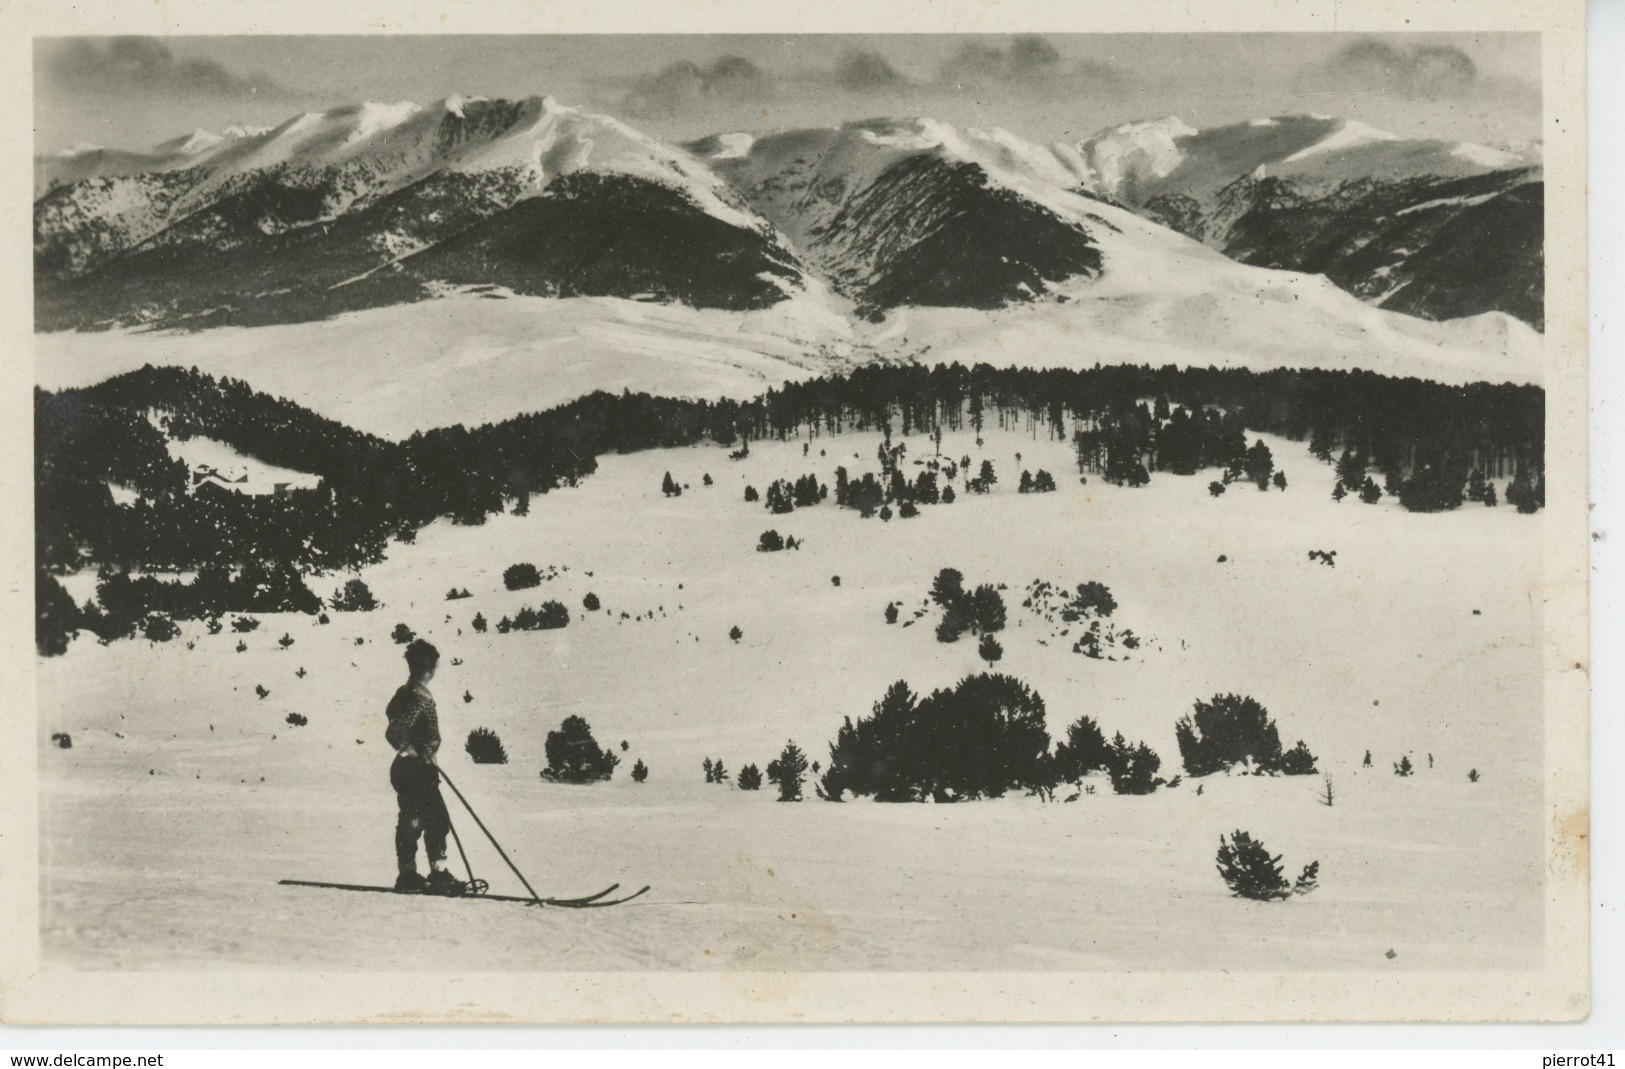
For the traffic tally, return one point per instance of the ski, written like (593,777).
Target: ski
(584,902)
(595,902)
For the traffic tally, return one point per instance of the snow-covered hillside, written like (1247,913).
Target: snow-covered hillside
(1420,651)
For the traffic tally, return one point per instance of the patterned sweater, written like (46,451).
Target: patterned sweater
(414,726)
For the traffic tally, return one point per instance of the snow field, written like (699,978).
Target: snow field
(162,847)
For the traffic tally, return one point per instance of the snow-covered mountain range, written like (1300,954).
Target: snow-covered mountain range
(1437,229)
(876,238)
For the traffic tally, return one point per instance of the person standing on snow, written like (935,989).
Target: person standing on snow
(414,732)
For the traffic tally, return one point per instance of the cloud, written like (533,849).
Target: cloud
(1427,72)
(1423,72)
(1029,61)
(685,86)
(143,65)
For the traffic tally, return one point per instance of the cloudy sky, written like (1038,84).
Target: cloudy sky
(133,92)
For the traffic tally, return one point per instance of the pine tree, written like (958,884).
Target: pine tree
(640,771)
(1260,464)
(989,650)
(1370,493)
(1339,493)
(667,486)
(1249,871)
(750,778)
(1350,469)
(948,587)
(789,772)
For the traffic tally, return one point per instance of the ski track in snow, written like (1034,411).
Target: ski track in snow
(185,798)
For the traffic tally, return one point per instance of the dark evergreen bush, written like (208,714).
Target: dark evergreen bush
(574,756)
(770,542)
(789,772)
(402,634)
(750,778)
(979,740)
(479,622)
(989,650)
(353,596)
(640,771)
(551,616)
(1085,750)
(485,748)
(1249,871)
(591,603)
(1231,729)
(56,617)
(521,577)
(298,720)
(1132,767)
(160,628)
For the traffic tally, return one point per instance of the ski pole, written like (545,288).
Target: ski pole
(489,836)
(458,839)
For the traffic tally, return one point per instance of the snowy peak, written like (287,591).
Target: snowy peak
(1350,134)
(916,211)
(189,144)
(375,203)
(1123,154)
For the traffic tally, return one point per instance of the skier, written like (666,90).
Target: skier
(414,732)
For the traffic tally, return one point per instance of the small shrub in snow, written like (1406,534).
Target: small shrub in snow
(297,720)
(735,634)
(285,641)
(990,650)
(1215,488)
(1248,870)
(485,748)
(891,613)
(789,772)
(1132,767)
(160,628)
(640,771)
(750,778)
(457,595)
(521,577)
(1403,767)
(245,624)
(574,756)
(353,596)
(770,542)
(550,617)
(402,634)
(751,494)
(591,603)
(479,622)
